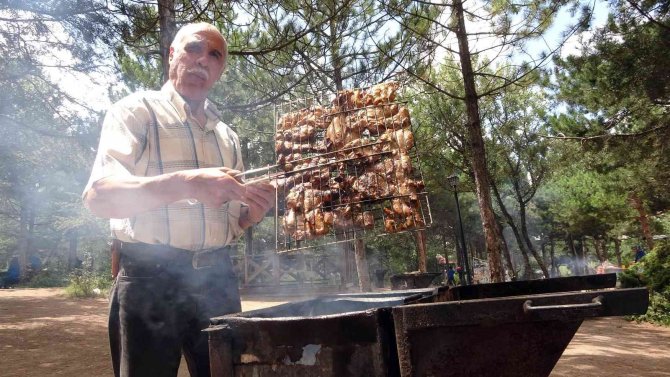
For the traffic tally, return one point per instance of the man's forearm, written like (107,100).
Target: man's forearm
(121,197)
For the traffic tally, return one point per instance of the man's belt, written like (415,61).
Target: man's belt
(174,257)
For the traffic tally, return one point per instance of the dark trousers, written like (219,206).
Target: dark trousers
(160,303)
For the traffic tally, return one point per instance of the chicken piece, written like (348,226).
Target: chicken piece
(314,198)
(319,117)
(300,133)
(411,187)
(295,199)
(406,163)
(418,215)
(296,196)
(342,217)
(358,122)
(401,140)
(371,184)
(314,147)
(356,148)
(335,131)
(300,234)
(389,225)
(395,169)
(384,92)
(381,112)
(342,100)
(364,220)
(279,146)
(338,132)
(401,120)
(408,223)
(294,224)
(378,94)
(320,178)
(401,207)
(349,99)
(287,161)
(288,120)
(368,220)
(318,223)
(385,167)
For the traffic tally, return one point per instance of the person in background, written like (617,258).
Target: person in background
(451,274)
(639,253)
(441,266)
(13,274)
(461,275)
(167,175)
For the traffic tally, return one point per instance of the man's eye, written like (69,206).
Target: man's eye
(192,48)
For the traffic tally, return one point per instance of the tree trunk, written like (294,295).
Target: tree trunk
(24,235)
(335,54)
(617,251)
(421,249)
(552,256)
(362,266)
(599,246)
(526,238)
(508,256)
(643,218)
(515,231)
(248,252)
(581,256)
(478,152)
(166,17)
(72,251)
(571,248)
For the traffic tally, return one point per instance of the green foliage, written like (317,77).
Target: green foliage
(584,202)
(48,278)
(88,284)
(653,271)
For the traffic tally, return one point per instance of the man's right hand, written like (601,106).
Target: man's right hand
(213,186)
(119,197)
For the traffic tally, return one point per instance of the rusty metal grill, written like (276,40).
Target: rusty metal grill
(348,169)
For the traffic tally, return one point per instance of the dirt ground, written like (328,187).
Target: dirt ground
(44,333)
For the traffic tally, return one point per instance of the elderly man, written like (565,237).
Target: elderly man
(165,175)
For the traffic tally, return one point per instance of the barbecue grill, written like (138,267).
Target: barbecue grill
(505,329)
(347,169)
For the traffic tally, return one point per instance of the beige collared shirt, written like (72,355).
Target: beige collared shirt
(151,133)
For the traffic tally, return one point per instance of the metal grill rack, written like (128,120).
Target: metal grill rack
(348,169)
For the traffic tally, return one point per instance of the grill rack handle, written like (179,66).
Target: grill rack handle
(596,303)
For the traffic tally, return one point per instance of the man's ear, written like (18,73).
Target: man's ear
(170,54)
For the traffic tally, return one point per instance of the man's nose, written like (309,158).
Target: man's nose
(203,60)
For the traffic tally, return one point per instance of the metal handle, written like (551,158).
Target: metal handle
(596,303)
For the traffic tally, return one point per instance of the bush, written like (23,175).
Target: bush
(47,278)
(88,284)
(653,271)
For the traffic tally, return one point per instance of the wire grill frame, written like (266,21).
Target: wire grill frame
(333,162)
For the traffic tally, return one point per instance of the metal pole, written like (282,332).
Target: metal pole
(466,261)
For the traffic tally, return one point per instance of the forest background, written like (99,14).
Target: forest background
(555,121)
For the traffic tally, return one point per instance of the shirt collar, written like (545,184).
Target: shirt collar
(183,109)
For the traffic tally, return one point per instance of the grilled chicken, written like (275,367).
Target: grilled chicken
(373,96)
(401,140)
(329,176)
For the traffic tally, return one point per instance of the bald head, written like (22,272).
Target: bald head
(190,29)
(197,59)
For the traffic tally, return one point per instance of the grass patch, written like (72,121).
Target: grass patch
(87,284)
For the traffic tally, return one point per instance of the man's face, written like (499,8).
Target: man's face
(196,63)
